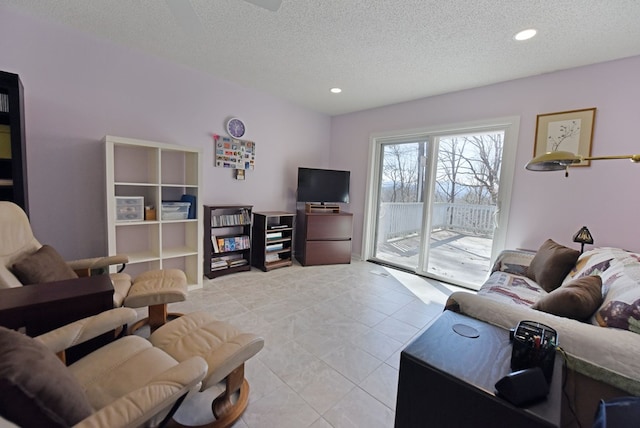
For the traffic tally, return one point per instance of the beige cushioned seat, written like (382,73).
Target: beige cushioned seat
(223,347)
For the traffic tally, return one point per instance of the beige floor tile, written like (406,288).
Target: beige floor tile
(282,408)
(352,362)
(359,409)
(382,384)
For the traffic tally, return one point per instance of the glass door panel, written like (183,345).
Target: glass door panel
(463,207)
(401,204)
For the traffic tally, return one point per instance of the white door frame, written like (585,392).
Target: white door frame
(510,125)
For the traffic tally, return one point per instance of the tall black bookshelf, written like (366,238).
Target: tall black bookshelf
(13,161)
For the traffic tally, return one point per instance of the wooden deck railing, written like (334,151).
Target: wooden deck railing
(399,219)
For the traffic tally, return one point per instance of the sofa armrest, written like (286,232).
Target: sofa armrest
(513,261)
(153,401)
(87,328)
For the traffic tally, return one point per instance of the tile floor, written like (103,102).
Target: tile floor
(333,336)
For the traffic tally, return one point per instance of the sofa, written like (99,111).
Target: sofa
(591,299)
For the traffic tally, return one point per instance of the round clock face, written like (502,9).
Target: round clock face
(235,127)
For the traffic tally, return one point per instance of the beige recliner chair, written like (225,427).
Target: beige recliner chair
(127,383)
(24,260)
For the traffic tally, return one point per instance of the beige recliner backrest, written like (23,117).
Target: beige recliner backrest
(16,241)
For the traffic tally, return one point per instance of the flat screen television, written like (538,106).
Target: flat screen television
(323,185)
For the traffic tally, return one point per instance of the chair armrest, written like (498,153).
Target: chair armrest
(153,401)
(513,261)
(86,265)
(87,328)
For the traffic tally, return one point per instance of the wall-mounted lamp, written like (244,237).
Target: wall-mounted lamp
(556,161)
(583,236)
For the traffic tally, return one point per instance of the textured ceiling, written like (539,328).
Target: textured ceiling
(378,51)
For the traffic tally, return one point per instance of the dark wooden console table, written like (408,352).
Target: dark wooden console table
(39,308)
(447,380)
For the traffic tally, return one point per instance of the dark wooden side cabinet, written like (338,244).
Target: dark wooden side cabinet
(272,239)
(13,161)
(323,238)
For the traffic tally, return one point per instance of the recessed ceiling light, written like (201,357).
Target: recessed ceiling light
(525,34)
(335,90)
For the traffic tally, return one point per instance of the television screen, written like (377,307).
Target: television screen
(323,185)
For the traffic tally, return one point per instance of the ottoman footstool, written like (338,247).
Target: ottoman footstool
(156,289)
(223,347)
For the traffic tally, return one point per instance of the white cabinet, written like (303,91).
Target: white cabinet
(156,172)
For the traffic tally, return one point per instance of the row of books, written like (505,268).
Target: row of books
(230,243)
(219,263)
(240,218)
(4,103)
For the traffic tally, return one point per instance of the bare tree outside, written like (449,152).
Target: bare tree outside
(469,168)
(401,173)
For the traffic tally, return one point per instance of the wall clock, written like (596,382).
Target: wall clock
(236,127)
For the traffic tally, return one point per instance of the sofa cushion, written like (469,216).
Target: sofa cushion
(620,287)
(45,265)
(577,299)
(37,390)
(551,264)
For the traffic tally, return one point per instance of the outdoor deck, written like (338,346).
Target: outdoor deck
(456,256)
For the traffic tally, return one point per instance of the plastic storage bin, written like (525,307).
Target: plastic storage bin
(129,208)
(175,210)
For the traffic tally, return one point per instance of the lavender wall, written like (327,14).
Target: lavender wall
(604,197)
(79,88)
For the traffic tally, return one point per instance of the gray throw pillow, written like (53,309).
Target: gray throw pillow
(37,389)
(45,265)
(577,299)
(551,264)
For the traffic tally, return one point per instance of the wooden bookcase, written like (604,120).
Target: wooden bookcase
(273,233)
(13,160)
(227,239)
(151,173)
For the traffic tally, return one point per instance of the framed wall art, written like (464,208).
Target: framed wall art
(567,131)
(232,153)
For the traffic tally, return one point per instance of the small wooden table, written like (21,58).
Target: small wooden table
(448,380)
(39,308)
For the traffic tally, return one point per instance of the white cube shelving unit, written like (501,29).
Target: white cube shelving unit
(157,172)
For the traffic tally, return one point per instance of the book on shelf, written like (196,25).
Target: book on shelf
(214,242)
(274,235)
(239,262)
(278,226)
(270,258)
(225,262)
(274,247)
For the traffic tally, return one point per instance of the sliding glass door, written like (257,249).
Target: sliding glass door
(435,202)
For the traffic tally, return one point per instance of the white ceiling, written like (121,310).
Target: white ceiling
(378,51)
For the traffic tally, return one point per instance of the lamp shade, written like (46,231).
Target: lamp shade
(553,161)
(583,236)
